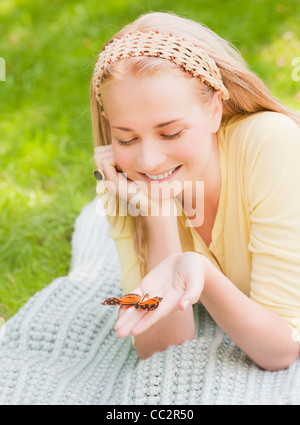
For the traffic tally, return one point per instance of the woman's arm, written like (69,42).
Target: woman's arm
(179,325)
(262,334)
(163,239)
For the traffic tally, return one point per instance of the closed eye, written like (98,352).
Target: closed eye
(125,142)
(172,136)
(164,136)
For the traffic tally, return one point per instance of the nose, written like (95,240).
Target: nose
(150,156)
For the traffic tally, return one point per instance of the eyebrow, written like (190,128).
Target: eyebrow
(164,124)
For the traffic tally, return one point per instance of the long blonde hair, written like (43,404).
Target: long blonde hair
(248,93)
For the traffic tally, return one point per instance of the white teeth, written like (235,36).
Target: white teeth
(160,176)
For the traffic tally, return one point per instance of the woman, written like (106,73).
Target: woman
(173,106)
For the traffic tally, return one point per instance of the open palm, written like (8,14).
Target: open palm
(179,280)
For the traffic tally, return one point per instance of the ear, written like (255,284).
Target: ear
(216,111)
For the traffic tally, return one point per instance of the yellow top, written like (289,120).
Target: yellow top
(256,234)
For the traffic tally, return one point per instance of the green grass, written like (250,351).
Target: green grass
(45,132)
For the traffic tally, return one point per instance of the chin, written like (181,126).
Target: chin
(163,191)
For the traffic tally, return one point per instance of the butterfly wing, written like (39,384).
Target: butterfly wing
(129,300)
(150,304)
(126,301)
(111,301)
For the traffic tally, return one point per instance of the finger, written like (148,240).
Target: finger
(118,180)
(102,185)
(128,319)
(146,322)
(107,163)
(191,295)
(152,317)
(121,311)
(99,158)
(190,268)
(105,148)
(184,303)
(127,315)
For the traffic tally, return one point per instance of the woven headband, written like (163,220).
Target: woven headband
(167,46)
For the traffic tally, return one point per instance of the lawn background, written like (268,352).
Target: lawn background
(46,146)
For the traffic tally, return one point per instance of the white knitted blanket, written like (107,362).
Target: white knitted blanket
(60,348)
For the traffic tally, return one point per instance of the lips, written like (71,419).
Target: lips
(162,176)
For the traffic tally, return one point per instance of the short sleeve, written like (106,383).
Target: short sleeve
(272,188)
(122,234)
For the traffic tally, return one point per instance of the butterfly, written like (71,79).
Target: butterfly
(134,300)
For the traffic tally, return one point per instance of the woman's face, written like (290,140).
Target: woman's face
(160,132)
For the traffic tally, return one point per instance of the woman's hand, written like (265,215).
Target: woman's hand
(115,181)
(135,193)
(179,280)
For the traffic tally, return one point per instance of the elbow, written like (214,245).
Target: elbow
(145,346)
(285,363)
(280,363)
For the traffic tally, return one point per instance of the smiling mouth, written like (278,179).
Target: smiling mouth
(162,176)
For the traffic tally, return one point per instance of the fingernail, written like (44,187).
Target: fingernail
(185,304)
(117,326)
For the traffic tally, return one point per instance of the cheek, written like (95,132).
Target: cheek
(196,149)
(190,151)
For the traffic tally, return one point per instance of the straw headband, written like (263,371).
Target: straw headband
(159,44)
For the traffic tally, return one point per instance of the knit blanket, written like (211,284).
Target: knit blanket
(60,348)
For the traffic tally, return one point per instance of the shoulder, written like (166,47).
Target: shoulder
(262,124)
(271,132)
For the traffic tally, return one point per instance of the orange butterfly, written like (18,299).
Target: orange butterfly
(134,300)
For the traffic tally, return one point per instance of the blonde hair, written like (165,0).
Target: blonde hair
(248,93)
